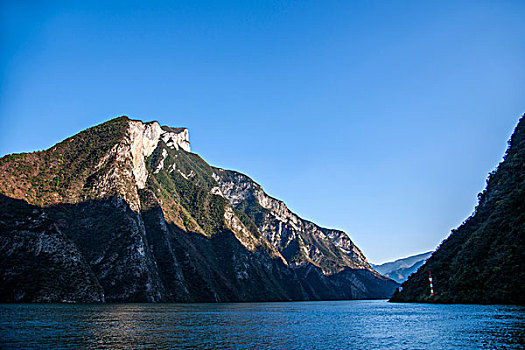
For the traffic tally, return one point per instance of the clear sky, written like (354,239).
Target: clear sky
(381,118)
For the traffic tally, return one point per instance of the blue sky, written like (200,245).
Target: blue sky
(380,118)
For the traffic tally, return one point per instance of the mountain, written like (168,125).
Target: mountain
(482,260)
(400,269)
(124,212)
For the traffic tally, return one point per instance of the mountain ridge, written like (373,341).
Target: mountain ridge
(400,269)
(482,260)
(150,221)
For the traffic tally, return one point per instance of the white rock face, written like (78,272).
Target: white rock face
(177,138)
(144,138)
(186,176)
(161,163)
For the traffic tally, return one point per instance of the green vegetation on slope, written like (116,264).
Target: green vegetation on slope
(184,190)
(482,260)
(86,223)
(59,173)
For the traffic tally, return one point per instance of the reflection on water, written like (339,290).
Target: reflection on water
(298,325)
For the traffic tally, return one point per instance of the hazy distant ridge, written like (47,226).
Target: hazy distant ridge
(400,269)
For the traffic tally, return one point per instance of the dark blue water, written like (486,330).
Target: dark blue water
(298,325)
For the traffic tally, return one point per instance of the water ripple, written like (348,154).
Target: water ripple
(297,325)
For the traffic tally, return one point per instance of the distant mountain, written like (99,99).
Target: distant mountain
(125,212)
(482,261)
(400,269)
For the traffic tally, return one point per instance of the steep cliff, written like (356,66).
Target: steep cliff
(482,260)
(125,212)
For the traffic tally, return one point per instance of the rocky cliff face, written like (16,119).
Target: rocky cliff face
(482,260)
(125,212)
(299,241)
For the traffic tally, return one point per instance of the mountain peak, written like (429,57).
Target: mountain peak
(126,212)
(144,138)
(174,137)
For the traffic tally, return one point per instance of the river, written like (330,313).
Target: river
(357,324)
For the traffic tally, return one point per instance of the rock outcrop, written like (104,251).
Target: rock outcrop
(144,138)
(124,212)
(298,240)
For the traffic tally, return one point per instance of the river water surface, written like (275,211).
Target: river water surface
(294,325)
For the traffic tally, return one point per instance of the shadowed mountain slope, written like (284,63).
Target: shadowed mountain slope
(482,260)
(124,212)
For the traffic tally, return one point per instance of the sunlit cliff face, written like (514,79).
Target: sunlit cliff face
(144,138)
